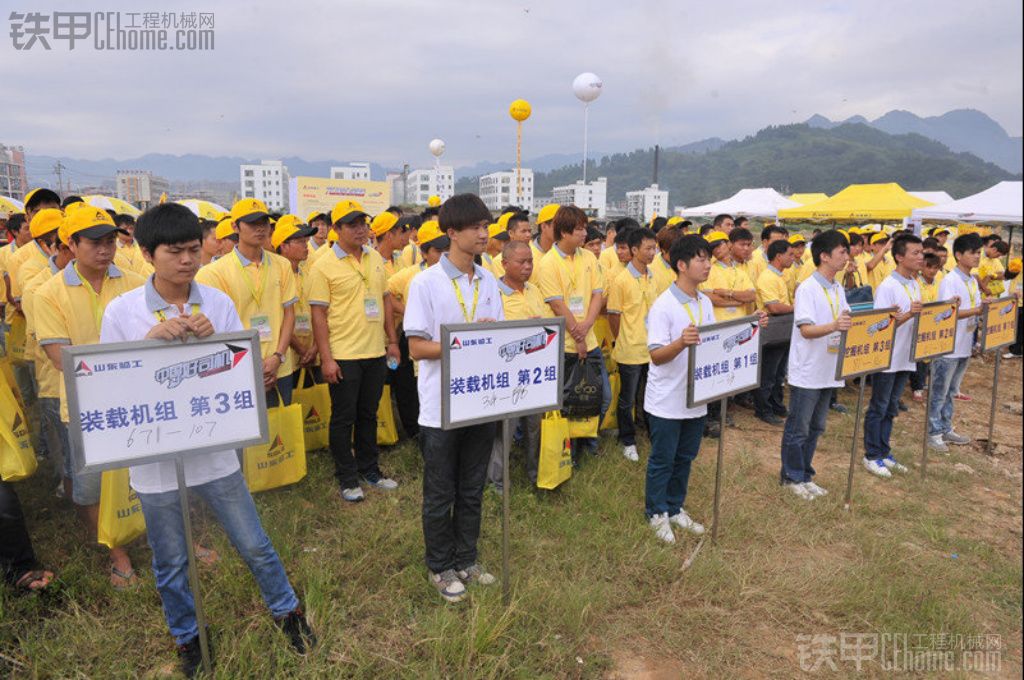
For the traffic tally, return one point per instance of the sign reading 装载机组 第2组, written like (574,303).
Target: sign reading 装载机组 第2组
(493,371)
(140,402)
(867,346)
(1000,323)
(726,361)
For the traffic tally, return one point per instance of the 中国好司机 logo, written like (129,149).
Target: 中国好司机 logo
(527,345)
(201,367)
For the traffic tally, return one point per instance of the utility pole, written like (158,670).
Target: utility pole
(58,169)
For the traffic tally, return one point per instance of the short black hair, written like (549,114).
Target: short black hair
(776,248)
(815,232)
(687,247)
(429,213)
(637,236)
(706,229)
(167,224)
(932,260)
(856,239)
(15,222)
(462,211)
(966,243)
(123,219)
(825,243)
(622,237)
(899,246)
(68,200)
(988,238)
(626,224)
(767,232)
(721,218)
(394,209)
(320,217)
(657,223)
(1002,246)
(740,221)
(40,197)
(740,234)
(516,218)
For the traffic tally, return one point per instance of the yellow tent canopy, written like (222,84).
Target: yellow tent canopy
(807,199)
(877,202)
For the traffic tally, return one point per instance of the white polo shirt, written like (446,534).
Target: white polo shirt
(812,363)
(432,302)
(669,316)
(964,286)
(896,291)
(128,318)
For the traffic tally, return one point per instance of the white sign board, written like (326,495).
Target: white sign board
(139,402)
(727,361)
(493,371)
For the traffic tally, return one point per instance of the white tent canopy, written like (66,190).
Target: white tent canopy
(1002,203)
(745,202)
(932,196)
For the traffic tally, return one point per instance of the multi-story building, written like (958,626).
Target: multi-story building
(267,182)
(590,197)
(13,182)
(359,171)
(421,184)
(396,182)
(140,187)
(499,189)
(644,204)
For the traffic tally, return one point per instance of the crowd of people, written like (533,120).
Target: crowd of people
(358,302)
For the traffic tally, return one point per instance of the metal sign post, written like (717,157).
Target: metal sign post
(853,443)
(924,430)
(934,336)
(999,330)
(724,404)
(506,444)
(193,570)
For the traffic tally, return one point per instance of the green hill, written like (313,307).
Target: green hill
(789,158)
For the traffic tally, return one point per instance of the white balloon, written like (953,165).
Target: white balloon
(587,87)
(437,147)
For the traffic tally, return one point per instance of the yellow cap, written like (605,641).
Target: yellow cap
(505,217)
(716,237)
(879,236)
(332,236)
(47,220)
(383,223)
(288,227)
(89,222)
(847,233)
(431,231)
(799,238)
(224,228)
(547,213)
(249,210)
(434,201)
(494,229)
(346,211)
(1015,266)
(315,214)
(673,221)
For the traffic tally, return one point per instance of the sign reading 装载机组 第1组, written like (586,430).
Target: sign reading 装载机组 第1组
(140,402)
(726,361)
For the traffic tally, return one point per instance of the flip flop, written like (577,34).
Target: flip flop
(130,578)
(25,583)
(207,556)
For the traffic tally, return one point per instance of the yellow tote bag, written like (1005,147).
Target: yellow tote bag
(121,520)
(555,464)
(282,460)
(316,412)
(387,431)
(611,418)
(16,339)
(17,457)
(582,427)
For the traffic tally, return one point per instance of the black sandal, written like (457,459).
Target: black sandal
(24,584)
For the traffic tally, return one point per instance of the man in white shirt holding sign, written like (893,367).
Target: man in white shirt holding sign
(820,315)
(901,290)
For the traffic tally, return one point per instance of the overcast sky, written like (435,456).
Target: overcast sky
(377,80)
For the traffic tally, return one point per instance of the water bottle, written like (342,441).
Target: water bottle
(392,363)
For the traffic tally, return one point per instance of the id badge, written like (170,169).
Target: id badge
(371,308)
(732,310)
(833,343)
(262,326)
(576,305)
(303,324)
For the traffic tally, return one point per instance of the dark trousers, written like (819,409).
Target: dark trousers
(454,472)
(354,402)
(631,380)
(674,446)
(1016,348)
(768,397)
(403,387)
(886,389)
(918,377)
(16,555)
(808,412)
(284,388)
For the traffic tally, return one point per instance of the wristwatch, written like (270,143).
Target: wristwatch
(280,357)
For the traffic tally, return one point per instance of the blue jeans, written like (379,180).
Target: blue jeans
(630,376)
(886,389)
(231,503)
(56,435)
(947,374)
(808,411)
(674,446)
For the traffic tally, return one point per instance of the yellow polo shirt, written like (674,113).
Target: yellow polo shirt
(992,266)
(538,255)
(28,269)
(610,264)
(67,313)
(573,281)
(727,277)
(663,274)
(859,276)
(805,269)
(353,293)
(31,252)
(317,254)
(303,319)
(411,255)
(772,286)
(525,304)
(631,295)
(260,291)
(47,375)
(130,257)
(879,273)
(755,265)
(929,291)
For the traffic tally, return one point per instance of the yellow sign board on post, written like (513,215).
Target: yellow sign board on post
(867,346)
(935,331)
(307,194)
(1000,319)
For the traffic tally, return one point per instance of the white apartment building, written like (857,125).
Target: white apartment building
(421,184)
(499,189)
(642,205)
(359,171)
(13,181)
(267,182)
(140,187)
(590,197)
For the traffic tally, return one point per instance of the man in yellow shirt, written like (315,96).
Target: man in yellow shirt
(68,310)
(262,286)
(322,223)
(990,268)
(541,245)
(941,234)
(662,269)
(290,240)
(774,297)
(518,227)
(391,238)
(354,328)
(630,297)
(793,272)
(928,281)
(878,266)
(129,255)
(727,285)
(411,254)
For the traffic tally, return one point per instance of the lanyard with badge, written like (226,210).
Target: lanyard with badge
(261,322)
(471,315)
(972,293)
(370,305)
(161,316)
(573,273)
(303,323)
(94,297)
(834,338)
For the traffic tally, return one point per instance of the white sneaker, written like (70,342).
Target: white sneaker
(935,443)
(952,437)
(894,465)
(448,585)
(630,453)
(876,468)
(684,521)
(476,574)
(815,489)
(800,491)
(662,529)
(353,495)
(1011,355)
(383,483)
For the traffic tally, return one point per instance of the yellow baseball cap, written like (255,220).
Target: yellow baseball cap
(45,194)
(312,217)
(47,220)
(716,237)
(547,213)
(332,236)
(430,236)
(249,210)
(346,211)
(90,222)
(797,238)
(225,228)
(288,227)
(879,236)
(495,230)
(383,223)
(673,221)
(434,201)
(505,217)
(935,231)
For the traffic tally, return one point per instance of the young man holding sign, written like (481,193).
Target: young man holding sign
(901,290)
(820,314)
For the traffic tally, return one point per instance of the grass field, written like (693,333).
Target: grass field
(594,594)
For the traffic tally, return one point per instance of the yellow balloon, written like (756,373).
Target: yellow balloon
(520,110)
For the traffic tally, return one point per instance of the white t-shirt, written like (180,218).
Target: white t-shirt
(964,286)
(128,318)
(812,363)
(896,291)
(665,396)
(432,302)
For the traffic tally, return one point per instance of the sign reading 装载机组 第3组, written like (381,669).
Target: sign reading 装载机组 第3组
(492,371)
(140,402)
(726,361)
(867,346)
